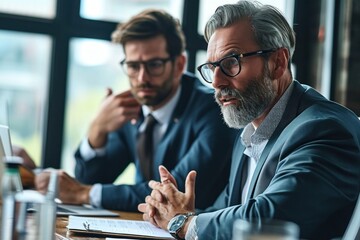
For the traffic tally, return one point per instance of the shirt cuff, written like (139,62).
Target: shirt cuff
(96,195)
(87,152)
(191,233)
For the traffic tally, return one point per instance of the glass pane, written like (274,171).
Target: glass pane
(208,7)
(93,67)
(33,8)
(24,67)
(122,10)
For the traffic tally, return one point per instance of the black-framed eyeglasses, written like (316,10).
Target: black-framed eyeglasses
(154,67)
(229,65)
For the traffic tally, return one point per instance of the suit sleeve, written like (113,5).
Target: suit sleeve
(315,185)
(104,169)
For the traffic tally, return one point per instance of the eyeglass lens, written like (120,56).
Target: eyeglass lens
(153,67)
(229,66)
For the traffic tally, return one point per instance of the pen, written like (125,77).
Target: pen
(87,227)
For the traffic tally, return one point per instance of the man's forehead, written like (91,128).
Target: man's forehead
(237,38)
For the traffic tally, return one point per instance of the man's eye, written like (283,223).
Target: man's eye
(229,63)
(133,66)
(154,64)
(209,66)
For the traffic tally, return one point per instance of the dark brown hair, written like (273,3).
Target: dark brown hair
(152,23)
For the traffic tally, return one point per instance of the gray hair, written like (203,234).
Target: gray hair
(270,28)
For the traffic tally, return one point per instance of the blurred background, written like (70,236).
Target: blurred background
(57,59)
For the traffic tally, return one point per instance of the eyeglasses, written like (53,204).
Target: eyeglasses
(154,67)
(229,65)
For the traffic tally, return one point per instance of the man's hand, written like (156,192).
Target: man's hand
(69,190)
(166,200)
(114,112)
(21,152)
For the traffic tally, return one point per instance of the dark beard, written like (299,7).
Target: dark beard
(251,103)
(162,92)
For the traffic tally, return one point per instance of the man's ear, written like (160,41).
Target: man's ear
(281,60)
(180,63)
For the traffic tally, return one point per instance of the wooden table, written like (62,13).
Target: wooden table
(63,234)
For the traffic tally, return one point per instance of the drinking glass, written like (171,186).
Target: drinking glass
(269,229)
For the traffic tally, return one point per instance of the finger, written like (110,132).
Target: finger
(145,217)
(154,184)
(155,194)
(147,208)
(129,102)
(153,222)
(151,211)
(152,205)
(190,185)
(126,93)
(142,207)
(165,175)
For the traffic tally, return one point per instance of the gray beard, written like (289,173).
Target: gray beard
(251,103)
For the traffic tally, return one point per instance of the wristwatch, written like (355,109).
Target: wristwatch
(176,224)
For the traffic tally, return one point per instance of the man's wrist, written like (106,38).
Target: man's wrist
(184,229)
(178,225)
(86,194)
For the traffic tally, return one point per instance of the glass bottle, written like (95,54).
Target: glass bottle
(11,184)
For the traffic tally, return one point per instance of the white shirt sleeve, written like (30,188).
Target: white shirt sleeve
(87,152)
(191,233)
(96,195)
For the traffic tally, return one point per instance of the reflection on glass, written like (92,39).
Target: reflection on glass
(24,67)
(93,67)
(33,8)
(121,10)
(200,59)
(208,7)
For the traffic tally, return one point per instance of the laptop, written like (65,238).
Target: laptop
(83,210)
(6,140)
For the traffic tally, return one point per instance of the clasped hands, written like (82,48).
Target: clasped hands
(166,200)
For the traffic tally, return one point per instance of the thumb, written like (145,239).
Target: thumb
(165,175)
(190,185)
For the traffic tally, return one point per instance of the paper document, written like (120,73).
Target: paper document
(116,227)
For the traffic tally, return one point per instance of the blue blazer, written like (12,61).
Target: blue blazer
(196,139)
(308,173)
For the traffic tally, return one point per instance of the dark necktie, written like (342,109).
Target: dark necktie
(145,147)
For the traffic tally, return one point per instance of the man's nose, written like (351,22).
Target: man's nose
(219,79)
(143,75)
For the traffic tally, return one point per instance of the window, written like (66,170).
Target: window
(24,67)
(122,10)
(34,8)
(93,67)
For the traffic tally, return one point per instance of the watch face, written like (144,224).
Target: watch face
(176,223)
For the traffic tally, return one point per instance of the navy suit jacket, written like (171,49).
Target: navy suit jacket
(308,173)
(196,139)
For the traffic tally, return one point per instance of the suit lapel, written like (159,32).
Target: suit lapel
(187,88)
(291,111)
(237,168)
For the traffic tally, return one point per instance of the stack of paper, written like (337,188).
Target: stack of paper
(116,227)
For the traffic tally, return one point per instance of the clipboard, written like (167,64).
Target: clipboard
(116,228)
